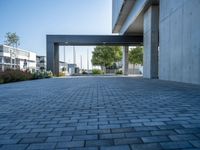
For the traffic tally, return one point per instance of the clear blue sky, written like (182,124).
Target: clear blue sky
(33,19)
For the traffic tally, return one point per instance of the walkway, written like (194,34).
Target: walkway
(99,113)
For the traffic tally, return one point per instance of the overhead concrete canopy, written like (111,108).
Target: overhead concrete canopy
(54,41)
(130,18)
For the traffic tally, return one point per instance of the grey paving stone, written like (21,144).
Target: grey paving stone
(125,141)
(176,145)
(163,132)
(112,136)
(70,144)
(150,146)
(153,139)
(85,137)
(59,139)
(138,134)
(99,143)
(32,140)
(98,131)
(123,147)
(182,137)
(95,112)
(195,143)
(14,147)
(42,146)
(84,148)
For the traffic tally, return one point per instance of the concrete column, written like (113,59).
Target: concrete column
(56,59)
(53,57)
(125,60)
(151,42)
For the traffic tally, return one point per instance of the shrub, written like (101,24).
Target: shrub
(119,72)
(14,76)
(96,71)
(61,74)
(18,75)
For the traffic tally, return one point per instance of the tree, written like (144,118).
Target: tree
(136,55)
(106,56)
(12,39)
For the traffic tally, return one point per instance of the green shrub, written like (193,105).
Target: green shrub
(119,72)
(14,76)
(96,71)
(18,75)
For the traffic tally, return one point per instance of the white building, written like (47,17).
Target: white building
(16,58)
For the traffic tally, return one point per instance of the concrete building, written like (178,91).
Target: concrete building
(40,63)
(16,58)
(170,30)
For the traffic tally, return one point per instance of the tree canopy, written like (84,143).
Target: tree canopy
(106,55)
(12,39)
(136,55)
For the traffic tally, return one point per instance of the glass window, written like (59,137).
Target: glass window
(6,59)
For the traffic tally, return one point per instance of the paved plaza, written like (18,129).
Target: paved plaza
(99,113)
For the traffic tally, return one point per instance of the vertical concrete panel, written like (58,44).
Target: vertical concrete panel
(184,45)
(164,56)
(151,23)
(125,60)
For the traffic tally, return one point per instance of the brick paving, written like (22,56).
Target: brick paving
(99,113)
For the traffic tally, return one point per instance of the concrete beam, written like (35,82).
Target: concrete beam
(151,42)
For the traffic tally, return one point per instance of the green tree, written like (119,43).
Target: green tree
(106,56)
(136,55)
(12,39)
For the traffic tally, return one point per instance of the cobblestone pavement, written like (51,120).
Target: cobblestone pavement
(99,113)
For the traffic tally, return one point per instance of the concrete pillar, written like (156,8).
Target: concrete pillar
(125,60)
(56,59)
(151,42)
(53,58)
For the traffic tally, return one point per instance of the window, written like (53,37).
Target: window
(1,59)
(6,59)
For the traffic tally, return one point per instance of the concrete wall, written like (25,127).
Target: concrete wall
(180,41)
(151,23)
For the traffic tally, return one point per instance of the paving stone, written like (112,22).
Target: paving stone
(150,146)
(138,134)
(59,138)
(125,141)
(115,148)
(176,145)
(153,139)
(163,132)
(85,137)
(112,136)
(70,144)
(99,143)
(182,137)
(14,147)
(42,146)
(99,112)
(195,143)
(32,140)
(98,131)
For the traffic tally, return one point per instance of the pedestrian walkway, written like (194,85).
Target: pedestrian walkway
(99,113)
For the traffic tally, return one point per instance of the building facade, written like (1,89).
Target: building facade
(170,30)
(40,63)
(15,58)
